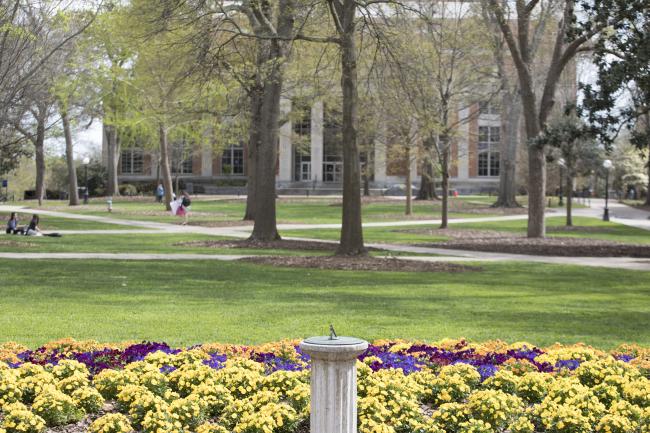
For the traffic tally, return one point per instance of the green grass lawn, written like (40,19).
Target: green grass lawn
(594,228)
(192,302)
(51,223)
(289,210)
(123,243)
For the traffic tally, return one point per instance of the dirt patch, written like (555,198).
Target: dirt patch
(551,246)
(579,229)
(237,223)
(275,245)
(16,244)
(361,264)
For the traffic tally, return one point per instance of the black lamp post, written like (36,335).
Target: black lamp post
(86,161)
(607,165)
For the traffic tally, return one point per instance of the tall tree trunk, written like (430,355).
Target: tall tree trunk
(511,115)
(536,192)
(113,158)
(73,190)
(569,198)
(253,143)
(164,165)
(265,226)
(445,184)
(647,194)
(409,181)
(351,229)
(427,189)
(39,156)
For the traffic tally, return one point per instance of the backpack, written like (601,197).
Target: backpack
(186,202)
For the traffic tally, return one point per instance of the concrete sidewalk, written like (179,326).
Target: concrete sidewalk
(620,213)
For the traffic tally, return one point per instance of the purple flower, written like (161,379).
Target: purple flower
(569,364)
(625,358)
(216,361)
(273,362)
(486,370)
(166,369)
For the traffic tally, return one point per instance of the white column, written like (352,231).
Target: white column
(206,161)
(333,383)
(316,146)
(285,154)
(380,159)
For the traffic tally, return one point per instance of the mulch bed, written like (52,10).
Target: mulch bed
(361,264)
(16,244)
(275,245)
(500,242)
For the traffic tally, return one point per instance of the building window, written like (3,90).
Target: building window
(181,158)
(332,169)
(132,161)
(302,127)
(489,138)
(489,107)
(232,161)
(301,167)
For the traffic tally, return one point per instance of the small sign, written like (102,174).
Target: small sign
(5,183)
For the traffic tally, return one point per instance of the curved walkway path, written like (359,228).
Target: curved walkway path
(619,213)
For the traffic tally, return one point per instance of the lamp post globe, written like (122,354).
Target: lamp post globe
(86,161)
(607,165)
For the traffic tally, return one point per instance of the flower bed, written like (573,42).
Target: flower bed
(448,387)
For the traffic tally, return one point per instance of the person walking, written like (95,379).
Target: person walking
(160,193)
(186,202)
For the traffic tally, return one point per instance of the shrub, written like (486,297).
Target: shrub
(495,407)
(450,415)
(89,399)
(616,424)
(72,383)
(161,421)
(56,408)
(154,381)
(190,411)
(111,423)
(533,387)
(32,385)
(189,376)
(216,398)
(9,390)
(69,367)
(19,419)
(211,428)
(128,394)
(145,403)
(109,382)
(128,189)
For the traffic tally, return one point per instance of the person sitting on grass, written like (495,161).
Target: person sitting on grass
(12,225)
(32,228)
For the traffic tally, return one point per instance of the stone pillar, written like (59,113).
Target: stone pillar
(206,161)
(285,151)
(463,146)
(380,161)
(316,145)
(333,383)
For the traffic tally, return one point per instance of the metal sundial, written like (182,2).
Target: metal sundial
(333,335)
(333,340)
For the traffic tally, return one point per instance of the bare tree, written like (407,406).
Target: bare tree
(444,68)
(518,36)
(510,100)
